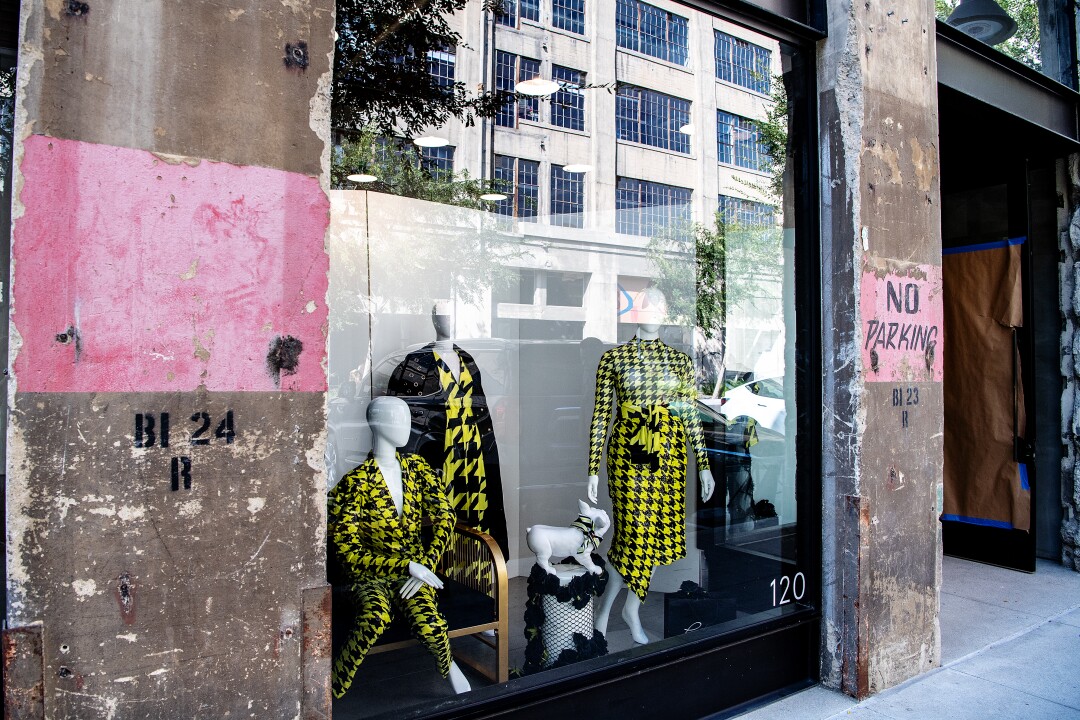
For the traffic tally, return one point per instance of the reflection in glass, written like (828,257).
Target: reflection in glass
(609,204)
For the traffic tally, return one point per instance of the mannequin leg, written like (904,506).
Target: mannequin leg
(630,615)
(429,627)
(373,617)
(615,583)
(458,681)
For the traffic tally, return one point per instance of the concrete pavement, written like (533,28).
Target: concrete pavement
(1010,649)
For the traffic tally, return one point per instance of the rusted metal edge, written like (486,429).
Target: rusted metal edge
(24,673)
(316,652)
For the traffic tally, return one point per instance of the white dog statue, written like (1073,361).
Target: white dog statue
(579,540)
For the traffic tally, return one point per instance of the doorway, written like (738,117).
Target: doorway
(1001,200)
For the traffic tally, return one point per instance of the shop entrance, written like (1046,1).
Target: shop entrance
(1000,207)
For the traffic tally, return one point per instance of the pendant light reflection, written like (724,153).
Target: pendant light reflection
(362,178)
(431,141)
(493,197)
(687,129)
(537,87)
(577,168)
(983,20)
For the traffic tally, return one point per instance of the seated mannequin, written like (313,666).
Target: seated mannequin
(375,516)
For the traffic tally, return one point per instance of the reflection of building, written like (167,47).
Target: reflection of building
(669,137)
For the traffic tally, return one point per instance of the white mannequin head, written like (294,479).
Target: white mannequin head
(653,310)
(390,420)
(442,317)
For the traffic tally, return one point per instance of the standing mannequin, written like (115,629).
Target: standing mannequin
(454,425)
(646,459)
(375,516)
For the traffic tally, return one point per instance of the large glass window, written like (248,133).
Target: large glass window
(439,161)
(739,142)
(567,197)
(441,65)
(652,30)
(646,208)
(511,69)
(563,312)
(568,103)
(519,180)
(748,213)
(568,15)
(742,62)
(512,10)
(652,118)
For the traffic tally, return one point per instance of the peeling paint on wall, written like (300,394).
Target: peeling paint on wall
(168,274)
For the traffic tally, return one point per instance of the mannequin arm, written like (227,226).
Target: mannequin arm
(437,508)
(594,484)
(601,416)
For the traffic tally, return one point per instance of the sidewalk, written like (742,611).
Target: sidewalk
(1010,649)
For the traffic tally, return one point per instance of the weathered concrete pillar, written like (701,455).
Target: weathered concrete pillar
(166,492)
(881,276)
(1069,245)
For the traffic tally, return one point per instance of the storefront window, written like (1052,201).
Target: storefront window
(580,336)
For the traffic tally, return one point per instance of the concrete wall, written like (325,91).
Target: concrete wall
(882,414)
(168,258)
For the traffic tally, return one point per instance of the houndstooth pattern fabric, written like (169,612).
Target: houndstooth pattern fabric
(463,463)
(376,546)
(653,384)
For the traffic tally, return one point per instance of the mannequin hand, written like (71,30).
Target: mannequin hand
(420,576)
(705,478)
(410,587)
(594,483)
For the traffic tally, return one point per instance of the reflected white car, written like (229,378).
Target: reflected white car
(761,399)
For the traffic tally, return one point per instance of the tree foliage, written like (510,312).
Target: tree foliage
(706,271)
(1024,45)
(399,171)
(381,76)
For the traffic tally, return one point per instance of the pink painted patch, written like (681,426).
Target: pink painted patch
(901,325)
(133,274)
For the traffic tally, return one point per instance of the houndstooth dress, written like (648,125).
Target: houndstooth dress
(652,385)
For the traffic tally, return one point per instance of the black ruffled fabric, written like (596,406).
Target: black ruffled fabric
(579,591)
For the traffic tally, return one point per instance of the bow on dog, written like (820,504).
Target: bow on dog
(589,539)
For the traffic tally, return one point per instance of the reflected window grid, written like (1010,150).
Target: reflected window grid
(652,31)
(646,208)
(738,142)
(439,161)
(528,107)
(567,198)
(652,118)
(747,213)
(743,63)
(511,69)
(514,9)
(568,104)
(568,15)
(519,180)
(441,64)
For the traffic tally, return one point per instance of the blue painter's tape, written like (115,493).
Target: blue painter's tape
(1024,484)
(996,245)
(979,521)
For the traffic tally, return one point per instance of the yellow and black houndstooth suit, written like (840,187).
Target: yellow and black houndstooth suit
(646,459)
(375,546)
